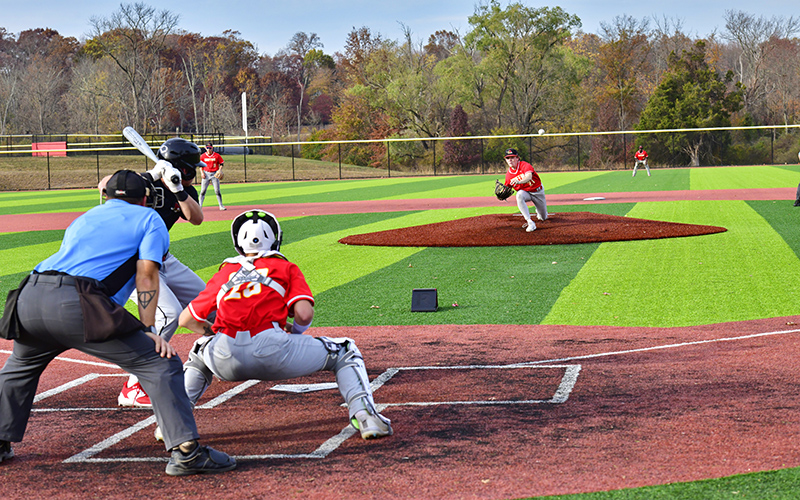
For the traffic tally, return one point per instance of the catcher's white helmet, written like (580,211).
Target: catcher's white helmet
(256,231)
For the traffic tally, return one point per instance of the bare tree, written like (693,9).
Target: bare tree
(782,79)
(751,36)
(292,60)
(624,58)
(133,38)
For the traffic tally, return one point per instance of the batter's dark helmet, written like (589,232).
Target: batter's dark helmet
(256,231)
(184,155)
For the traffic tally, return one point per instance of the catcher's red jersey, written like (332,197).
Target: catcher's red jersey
(522,168)
(251,306)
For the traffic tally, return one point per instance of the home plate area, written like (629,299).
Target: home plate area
(299,419)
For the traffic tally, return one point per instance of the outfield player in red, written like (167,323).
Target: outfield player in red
(524,179)
(641,159)
(253,295)
(212,173)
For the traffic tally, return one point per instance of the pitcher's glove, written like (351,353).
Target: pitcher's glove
(219,175)
(502,191)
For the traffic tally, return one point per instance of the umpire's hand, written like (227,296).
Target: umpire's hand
(163,347)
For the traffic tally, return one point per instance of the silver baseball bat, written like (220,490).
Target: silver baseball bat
(138,141)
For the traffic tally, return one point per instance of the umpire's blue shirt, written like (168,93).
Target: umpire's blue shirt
(104,238)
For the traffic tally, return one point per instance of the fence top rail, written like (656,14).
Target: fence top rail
(249,142)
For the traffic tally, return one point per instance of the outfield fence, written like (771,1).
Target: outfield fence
(53,161)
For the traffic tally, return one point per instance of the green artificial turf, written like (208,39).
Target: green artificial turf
(778,484)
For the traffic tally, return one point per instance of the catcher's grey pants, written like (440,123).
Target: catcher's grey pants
(209,177)
(50,313)
(276,355)
(177,286)
(636,166)
(538,200)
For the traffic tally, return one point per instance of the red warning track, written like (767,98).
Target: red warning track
(29,222)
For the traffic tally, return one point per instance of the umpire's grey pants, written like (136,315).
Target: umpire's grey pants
(50,314)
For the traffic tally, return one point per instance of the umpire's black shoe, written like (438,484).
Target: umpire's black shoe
(6,453)
(797,203)
(202,460)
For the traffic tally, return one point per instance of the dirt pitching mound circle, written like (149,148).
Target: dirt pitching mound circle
(563,228)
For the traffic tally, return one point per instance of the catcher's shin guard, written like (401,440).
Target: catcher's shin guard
(196,375)
(346,362)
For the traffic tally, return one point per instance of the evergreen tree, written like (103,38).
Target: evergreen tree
(691,95)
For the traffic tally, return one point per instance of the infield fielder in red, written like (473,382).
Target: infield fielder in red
(524,179)
(253,295)
(641,159)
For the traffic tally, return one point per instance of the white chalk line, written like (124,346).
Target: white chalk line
(656,348)
(561,395)
(78,361)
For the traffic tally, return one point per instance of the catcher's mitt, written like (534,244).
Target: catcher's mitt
(219,175)
(502,191)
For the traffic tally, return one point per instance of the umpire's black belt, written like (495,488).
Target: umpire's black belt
(52,279)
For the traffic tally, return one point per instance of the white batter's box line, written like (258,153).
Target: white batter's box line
(78,361)
(74,383)
(561,395)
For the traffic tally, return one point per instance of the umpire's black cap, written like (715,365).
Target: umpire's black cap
(510,152)
(126,184)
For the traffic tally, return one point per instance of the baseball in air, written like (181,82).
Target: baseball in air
(541,131)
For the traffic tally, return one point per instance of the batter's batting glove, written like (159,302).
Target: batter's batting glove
(157,171)
(172,178)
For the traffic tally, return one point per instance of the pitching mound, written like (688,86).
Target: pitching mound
(562,228)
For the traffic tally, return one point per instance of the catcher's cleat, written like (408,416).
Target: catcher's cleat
(201,460)
(6,453)
(372,426)
(531,227)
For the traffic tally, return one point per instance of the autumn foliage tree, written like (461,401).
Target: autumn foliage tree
(460,154)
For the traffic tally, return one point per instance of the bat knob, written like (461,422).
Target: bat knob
(175,179)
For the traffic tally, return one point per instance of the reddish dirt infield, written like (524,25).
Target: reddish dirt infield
(582,409)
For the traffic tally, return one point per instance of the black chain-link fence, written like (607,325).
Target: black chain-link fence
(60,161)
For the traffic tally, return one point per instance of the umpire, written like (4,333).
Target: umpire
(73,300)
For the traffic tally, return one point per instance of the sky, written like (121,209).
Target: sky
(270,25)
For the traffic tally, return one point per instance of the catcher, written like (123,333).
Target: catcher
(522,178)
(212,173)
(253,294)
